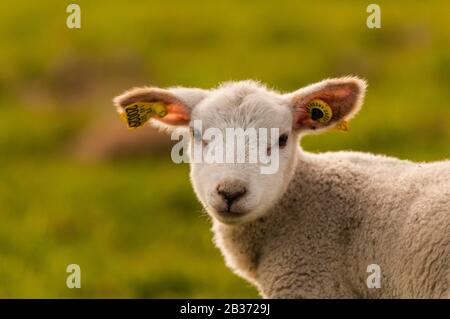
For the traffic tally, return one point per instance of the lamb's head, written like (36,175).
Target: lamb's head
(244,138)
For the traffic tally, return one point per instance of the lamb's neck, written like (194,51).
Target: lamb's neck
(301,207)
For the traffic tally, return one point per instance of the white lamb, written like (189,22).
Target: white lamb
(311,229)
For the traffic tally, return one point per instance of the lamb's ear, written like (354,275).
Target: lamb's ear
(178,102)
(326,103)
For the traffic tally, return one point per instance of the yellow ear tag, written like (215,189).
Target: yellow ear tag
(342,126)
(319,111)
(138,113)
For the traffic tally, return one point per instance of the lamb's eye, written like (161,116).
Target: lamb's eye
(282,140)
(197,135)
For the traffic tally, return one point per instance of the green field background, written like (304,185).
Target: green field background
(132,222)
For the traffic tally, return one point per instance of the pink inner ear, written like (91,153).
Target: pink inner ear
(342,92)
(177,114)
(335,96)
(341,98)
(303,118)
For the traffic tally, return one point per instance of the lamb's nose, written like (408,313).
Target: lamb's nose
(230,194)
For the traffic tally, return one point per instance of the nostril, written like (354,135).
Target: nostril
(231,196)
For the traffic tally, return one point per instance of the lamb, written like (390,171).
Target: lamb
(311,229)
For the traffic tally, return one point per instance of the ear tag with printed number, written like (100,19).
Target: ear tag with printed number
(138,113)
(319,111)
(342,126)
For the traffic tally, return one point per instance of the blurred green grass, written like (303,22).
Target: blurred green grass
(133,224)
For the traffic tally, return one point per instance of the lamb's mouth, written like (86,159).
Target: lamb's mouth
(230,215)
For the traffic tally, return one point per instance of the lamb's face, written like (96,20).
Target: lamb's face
(232,191)
(240,188)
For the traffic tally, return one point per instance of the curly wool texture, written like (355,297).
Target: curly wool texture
(341,212)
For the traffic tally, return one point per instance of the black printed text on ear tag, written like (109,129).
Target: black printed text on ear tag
(319,111)
(139,113)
